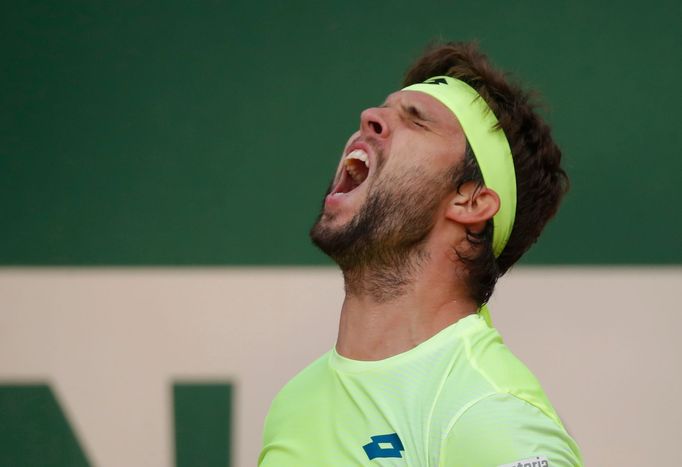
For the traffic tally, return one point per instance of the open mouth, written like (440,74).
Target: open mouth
(355,172)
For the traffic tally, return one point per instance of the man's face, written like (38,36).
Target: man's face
(393,175)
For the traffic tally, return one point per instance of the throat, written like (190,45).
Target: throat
(386,279)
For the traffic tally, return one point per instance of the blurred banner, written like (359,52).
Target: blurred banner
(162,162)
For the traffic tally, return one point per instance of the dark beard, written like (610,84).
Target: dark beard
(381,248)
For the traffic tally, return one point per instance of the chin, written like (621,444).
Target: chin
(326,226)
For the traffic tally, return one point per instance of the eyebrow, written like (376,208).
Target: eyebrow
(412,111)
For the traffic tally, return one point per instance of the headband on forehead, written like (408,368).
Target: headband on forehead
(488,142)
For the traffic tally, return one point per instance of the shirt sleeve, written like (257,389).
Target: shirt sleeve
(503,430)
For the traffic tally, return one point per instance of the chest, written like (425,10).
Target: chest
(352,421)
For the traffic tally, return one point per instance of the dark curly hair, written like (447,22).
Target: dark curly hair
(541,183)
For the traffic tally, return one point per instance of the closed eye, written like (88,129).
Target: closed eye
(415,115)
(411,113)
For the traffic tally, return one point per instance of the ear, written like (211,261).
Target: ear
(472,206)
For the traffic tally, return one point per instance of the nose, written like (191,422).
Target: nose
(374,122)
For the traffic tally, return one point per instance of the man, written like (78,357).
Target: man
(441,190)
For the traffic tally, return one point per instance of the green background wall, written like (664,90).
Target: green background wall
(177,133)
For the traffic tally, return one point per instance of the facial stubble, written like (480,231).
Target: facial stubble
(381,249)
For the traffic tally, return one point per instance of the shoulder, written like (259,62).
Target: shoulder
(495,410)
(499,371)
(298,406)
(301,392)
(306,381)
(502,429)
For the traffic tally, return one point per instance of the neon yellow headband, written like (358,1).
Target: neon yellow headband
(488,142)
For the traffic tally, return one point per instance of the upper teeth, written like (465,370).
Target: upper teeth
(360,155)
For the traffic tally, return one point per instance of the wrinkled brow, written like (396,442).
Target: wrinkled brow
(411,110)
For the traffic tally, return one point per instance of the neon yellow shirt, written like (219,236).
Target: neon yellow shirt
(459,399)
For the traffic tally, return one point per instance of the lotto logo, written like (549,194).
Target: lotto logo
(384,446)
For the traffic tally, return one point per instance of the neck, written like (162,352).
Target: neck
(387,314)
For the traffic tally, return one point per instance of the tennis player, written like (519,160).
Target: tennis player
(440,191)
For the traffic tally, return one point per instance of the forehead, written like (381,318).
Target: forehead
(428,106)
